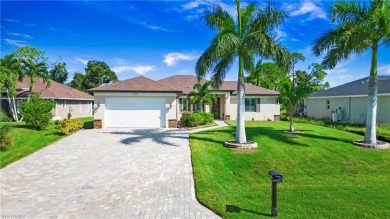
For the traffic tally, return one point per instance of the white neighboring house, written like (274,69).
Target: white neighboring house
(349,102)
(143,102)
(67,99)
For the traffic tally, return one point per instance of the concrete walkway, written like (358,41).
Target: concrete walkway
(109,173)
(220,124)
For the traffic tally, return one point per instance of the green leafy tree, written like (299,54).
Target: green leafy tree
(59,73)
(294,90)
(97,73)
(10,68)
(243,39)
(268,75)
(202,96)
(358,27)
(77,82)
(34,65)
(37,112)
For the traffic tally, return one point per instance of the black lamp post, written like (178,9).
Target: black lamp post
(275,177)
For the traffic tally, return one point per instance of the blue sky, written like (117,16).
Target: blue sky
(157,38)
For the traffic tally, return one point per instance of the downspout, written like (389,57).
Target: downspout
(349,109)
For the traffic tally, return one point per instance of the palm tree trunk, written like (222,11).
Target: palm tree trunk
(291,120)
(240,129)
(370,134)
(15,110)
(12,107)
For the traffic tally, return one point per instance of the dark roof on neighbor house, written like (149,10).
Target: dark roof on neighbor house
(54,91)
(137,84)
(356,88)
(186,83)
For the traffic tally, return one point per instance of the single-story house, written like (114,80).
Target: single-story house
(143,102)
(348,102)
(67,99)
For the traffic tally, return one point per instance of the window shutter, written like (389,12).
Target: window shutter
(258,105)
(180,104)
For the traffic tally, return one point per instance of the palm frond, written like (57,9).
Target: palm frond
(219,19)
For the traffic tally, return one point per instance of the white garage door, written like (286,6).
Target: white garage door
(135,112)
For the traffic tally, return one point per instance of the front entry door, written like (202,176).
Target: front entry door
(215,109)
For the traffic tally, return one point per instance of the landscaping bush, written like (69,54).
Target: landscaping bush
(37,111)
(68,126)
(6,140)
(4,117)
(195,119)
(184,118)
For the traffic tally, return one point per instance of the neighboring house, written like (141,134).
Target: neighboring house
(143,102)
(349,101)
(67,99)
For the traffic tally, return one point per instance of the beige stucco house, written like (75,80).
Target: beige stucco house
(143,102)
(67,99)
(348,102)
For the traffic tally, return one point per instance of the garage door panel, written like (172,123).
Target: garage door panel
(135,112)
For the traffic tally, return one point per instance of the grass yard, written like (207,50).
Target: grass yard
(325,176)
(27,141)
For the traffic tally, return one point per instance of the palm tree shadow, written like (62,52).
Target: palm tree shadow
(159,136)
(236,209)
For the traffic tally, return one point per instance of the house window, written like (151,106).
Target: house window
(327,104)
(251,104)
(196,108)
(184,104)
(63,104)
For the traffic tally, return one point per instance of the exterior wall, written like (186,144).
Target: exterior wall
(267,109)
(78,108)
(354,109)
(100,97)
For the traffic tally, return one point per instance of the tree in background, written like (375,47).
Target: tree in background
(267,75)
(294,90)
(202,95)
(59,73)
(98,73)
(358,27)
(250,35)
(77,82)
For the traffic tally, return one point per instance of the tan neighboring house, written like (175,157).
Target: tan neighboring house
(143,102)
(67,99)
(348,102)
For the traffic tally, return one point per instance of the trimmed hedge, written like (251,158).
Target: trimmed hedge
(196,119)
(68,126)
(6,140)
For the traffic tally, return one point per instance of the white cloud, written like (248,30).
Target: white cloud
(280,34)
(306,7)
(230,8)
(17,43)
(384,70)
(294,40)
(172,58)
(83,61)
(140,69)
(25,36)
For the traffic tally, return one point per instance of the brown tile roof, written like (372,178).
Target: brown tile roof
(138,84)
(55,91)
(186,83)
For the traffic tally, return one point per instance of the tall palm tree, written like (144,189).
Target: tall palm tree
(248,36)
(33,65)
(202,95)
(359,27)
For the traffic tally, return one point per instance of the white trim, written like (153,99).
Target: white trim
(346,96)
(134,94)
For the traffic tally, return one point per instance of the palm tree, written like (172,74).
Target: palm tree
(9,70)
(268,75)
(33,65)
(242,39)
(358,28)
(203,95)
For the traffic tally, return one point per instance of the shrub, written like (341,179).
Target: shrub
(37,112)
(4,117)
(195,119)
(68,126)
(207,117)
(184,118)
(6,140)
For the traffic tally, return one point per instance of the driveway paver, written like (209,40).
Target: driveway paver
(106,173)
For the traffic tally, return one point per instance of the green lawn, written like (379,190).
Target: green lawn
(28,140)
(325,176)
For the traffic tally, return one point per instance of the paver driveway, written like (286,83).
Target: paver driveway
(108,173)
